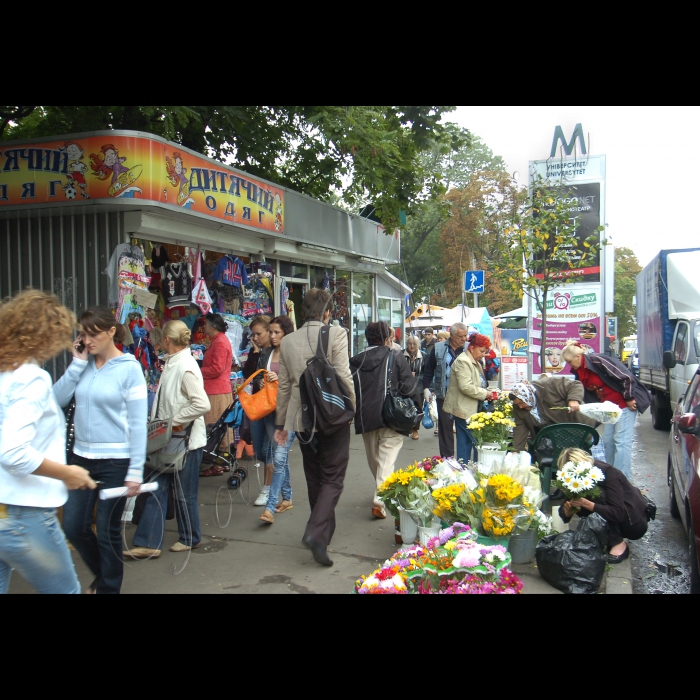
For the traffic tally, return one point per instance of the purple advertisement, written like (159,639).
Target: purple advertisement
(572,313)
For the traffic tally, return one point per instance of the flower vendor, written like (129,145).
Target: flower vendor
(619,502)
(468,386)
(533,403)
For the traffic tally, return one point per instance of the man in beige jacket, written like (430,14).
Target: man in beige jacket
(325,456)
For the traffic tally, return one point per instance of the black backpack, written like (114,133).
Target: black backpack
(325,405)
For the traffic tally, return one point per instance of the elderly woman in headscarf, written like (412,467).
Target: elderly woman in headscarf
(533,403)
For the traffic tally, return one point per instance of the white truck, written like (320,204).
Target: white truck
(668,328)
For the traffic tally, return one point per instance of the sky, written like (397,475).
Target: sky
(652,163)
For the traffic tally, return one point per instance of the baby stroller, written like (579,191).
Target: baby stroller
(231,418)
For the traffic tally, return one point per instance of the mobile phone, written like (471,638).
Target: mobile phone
(80,347)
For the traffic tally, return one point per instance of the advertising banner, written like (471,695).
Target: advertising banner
(584,206)
(138,167)
(574,311)
(513,342)
(513,370)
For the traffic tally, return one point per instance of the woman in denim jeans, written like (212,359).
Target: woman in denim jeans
(111,413)
(277,454)
(34,479)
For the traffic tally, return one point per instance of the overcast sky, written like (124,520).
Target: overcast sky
(652,158)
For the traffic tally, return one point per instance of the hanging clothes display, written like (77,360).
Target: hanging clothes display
(177,283)
(127,262)
(201,297)
(159,259)
(257,295)
(284,295)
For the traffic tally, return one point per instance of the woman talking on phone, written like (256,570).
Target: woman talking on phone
(111,413)
(34,479)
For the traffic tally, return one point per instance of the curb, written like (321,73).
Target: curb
(618,580)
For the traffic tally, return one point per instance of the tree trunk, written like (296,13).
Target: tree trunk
(543,339)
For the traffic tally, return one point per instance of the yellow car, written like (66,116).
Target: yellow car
(628,345)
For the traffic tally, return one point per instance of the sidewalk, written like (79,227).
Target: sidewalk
(248,556)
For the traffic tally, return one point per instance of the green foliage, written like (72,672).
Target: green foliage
(538,247)
(368,154)
(627,268)
(421,247)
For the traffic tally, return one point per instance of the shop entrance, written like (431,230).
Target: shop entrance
(296,292)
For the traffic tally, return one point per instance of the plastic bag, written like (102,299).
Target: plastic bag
(433,410)
(427,420)
(574,561)
(606,412)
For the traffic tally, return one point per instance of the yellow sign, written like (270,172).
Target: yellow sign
(138,167)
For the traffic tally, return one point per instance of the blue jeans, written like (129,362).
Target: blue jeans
(618,442)
(102,553)
(31,541)
(466,450)
(280,477)
(151,527)
(262,432)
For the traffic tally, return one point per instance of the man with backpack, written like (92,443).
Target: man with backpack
(324,436)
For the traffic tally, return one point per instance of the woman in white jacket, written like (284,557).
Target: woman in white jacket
(180,396)
(34,476)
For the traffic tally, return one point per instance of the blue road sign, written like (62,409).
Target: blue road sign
(474,281)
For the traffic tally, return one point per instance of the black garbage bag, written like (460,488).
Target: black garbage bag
(574,561)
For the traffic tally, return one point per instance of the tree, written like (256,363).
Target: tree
(626,269)
(539,249)
(479,210)
(369,154)
(421,249)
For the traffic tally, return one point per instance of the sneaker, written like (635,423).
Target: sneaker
(261,500)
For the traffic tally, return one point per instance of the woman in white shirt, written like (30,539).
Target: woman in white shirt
(34,478)
(180,396)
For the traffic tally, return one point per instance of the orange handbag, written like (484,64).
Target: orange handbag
(260,404)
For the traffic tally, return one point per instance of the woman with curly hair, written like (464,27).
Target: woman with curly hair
(111,415)
(34,479)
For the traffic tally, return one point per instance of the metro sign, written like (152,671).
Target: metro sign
(568,147)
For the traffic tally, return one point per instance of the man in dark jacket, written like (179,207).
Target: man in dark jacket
(605,378)
(369,371)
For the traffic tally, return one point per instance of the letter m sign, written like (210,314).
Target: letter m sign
(568,147)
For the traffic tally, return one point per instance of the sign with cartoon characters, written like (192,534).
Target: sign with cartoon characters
(138,167)
(572,312)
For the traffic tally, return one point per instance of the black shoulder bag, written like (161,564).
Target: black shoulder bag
(398,412)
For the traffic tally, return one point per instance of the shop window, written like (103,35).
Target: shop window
(361,310)
(318,276)
(340,292)
(294,271)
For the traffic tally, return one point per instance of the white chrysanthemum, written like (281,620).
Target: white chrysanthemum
(580,469)
(560,474)
(587,483)
(596,474)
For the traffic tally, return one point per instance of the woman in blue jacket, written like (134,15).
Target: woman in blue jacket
(111,413)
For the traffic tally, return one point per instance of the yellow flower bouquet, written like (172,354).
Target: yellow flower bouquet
(455,503)
(491,427)
(506,507)
(406,488)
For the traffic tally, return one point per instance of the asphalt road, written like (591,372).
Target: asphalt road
(660,558)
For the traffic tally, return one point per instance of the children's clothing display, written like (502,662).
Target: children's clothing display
(129,260)
(177,283)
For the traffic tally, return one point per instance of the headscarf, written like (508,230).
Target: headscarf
(524,391)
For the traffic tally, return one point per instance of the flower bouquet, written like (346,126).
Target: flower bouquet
(606,412)
(504,506)
(579,480)
(397,489)
(451,563)
(456,503)
(493,427)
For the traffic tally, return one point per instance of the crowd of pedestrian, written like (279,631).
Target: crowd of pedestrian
(103,391)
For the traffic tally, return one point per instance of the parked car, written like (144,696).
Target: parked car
(684,472)
(633,362)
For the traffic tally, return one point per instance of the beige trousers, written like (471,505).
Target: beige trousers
(219,403)
(382,447)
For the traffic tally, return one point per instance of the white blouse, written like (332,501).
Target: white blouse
(32,428)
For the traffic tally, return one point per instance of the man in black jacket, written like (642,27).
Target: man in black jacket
(369,372)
